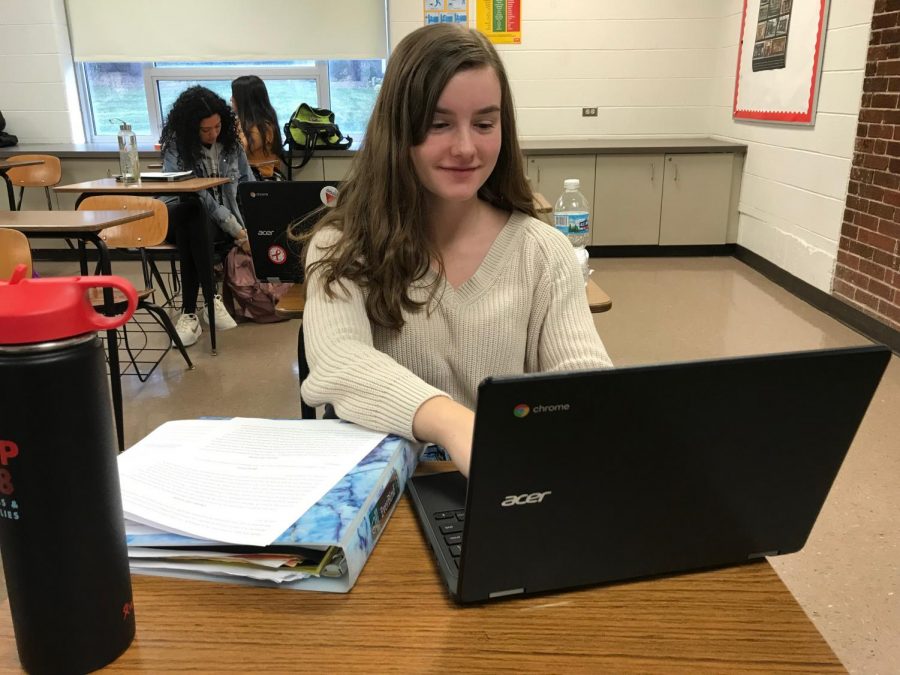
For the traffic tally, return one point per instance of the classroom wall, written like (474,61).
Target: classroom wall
(650,67)
(38,94)
(795,177)
(668,68)
(647,65)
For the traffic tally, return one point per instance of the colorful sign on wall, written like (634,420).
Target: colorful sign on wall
(500,20)
(446,11)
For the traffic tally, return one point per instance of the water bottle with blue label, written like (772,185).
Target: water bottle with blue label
(572,217)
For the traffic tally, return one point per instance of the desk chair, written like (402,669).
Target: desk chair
(44,175)
(291,306)
(165,251)
(14,250)
(139,235)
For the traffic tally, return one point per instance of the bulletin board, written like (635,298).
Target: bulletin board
(780,53)
(446,11)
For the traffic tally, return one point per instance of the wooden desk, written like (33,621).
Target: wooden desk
(292,303)
(256,164)
(6,166)
(84,226)
(188,189)
(399,618)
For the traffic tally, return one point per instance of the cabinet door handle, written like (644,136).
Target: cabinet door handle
(539,176)
(675,177)
(652,172)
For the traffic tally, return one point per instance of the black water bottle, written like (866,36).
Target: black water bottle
(62,536)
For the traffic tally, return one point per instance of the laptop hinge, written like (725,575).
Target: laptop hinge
(512,591)
(761,554)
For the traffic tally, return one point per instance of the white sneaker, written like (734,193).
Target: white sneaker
(188,329)
(224,321)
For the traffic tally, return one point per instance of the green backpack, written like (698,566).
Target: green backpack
(310,128)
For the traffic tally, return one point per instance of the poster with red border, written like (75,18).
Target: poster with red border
(779,64)
(500,20)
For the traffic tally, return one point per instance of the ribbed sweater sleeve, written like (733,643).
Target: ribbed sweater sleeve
(566,338)
(365,385)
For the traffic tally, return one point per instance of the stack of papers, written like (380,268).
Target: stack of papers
(210,497)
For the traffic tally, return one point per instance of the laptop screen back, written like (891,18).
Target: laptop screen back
(597,476)
(269,208)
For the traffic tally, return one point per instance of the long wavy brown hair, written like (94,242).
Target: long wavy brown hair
(380,212)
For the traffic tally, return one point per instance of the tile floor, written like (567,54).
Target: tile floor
(847,577)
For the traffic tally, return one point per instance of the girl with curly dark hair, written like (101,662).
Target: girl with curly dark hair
(200,135)
(431,272)
(257,124)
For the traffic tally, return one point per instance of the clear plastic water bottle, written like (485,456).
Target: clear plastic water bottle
(129,164)
(573,218)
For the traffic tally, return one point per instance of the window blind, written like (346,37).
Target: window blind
(226,30)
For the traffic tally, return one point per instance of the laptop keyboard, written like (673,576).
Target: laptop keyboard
(450,526)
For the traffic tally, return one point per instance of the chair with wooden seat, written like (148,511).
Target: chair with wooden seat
(292,305)
(44,175)
(14,250)
(138,235)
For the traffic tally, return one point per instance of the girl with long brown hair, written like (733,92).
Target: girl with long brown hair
(431,272)
(257,124)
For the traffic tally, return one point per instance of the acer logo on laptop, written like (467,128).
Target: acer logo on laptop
(522,410)
(521,500)
(265,233)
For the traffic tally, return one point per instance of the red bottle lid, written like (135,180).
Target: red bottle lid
(42,310)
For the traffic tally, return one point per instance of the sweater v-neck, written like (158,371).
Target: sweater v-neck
(490,267)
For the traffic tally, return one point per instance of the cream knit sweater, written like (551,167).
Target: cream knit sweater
(523,311)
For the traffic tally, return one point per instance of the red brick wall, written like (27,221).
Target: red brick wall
(867,274)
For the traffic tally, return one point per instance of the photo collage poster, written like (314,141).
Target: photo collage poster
(446,11)
(773,24)
(779,65)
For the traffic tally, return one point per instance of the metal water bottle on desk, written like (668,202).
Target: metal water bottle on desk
(129,163)
(62,536)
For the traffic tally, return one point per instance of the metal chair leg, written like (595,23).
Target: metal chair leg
(166,323)
(307,412)
(154,271)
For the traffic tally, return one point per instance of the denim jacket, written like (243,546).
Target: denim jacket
(226,215)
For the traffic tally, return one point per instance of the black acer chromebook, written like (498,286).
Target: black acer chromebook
(604,475)
(269,208)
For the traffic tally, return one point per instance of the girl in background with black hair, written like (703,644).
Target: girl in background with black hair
(257,124)
(200,135)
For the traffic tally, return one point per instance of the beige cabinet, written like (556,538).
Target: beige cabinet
(312,171)
(547,173)
(627,200)
(336,168)
(696,197)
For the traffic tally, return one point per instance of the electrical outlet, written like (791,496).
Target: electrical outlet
(588,112)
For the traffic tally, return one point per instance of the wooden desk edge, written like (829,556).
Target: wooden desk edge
(116,217)
(292,303)
(6,166)
(733,619)
(111,186)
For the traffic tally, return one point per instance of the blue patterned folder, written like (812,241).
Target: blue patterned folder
(350,518)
